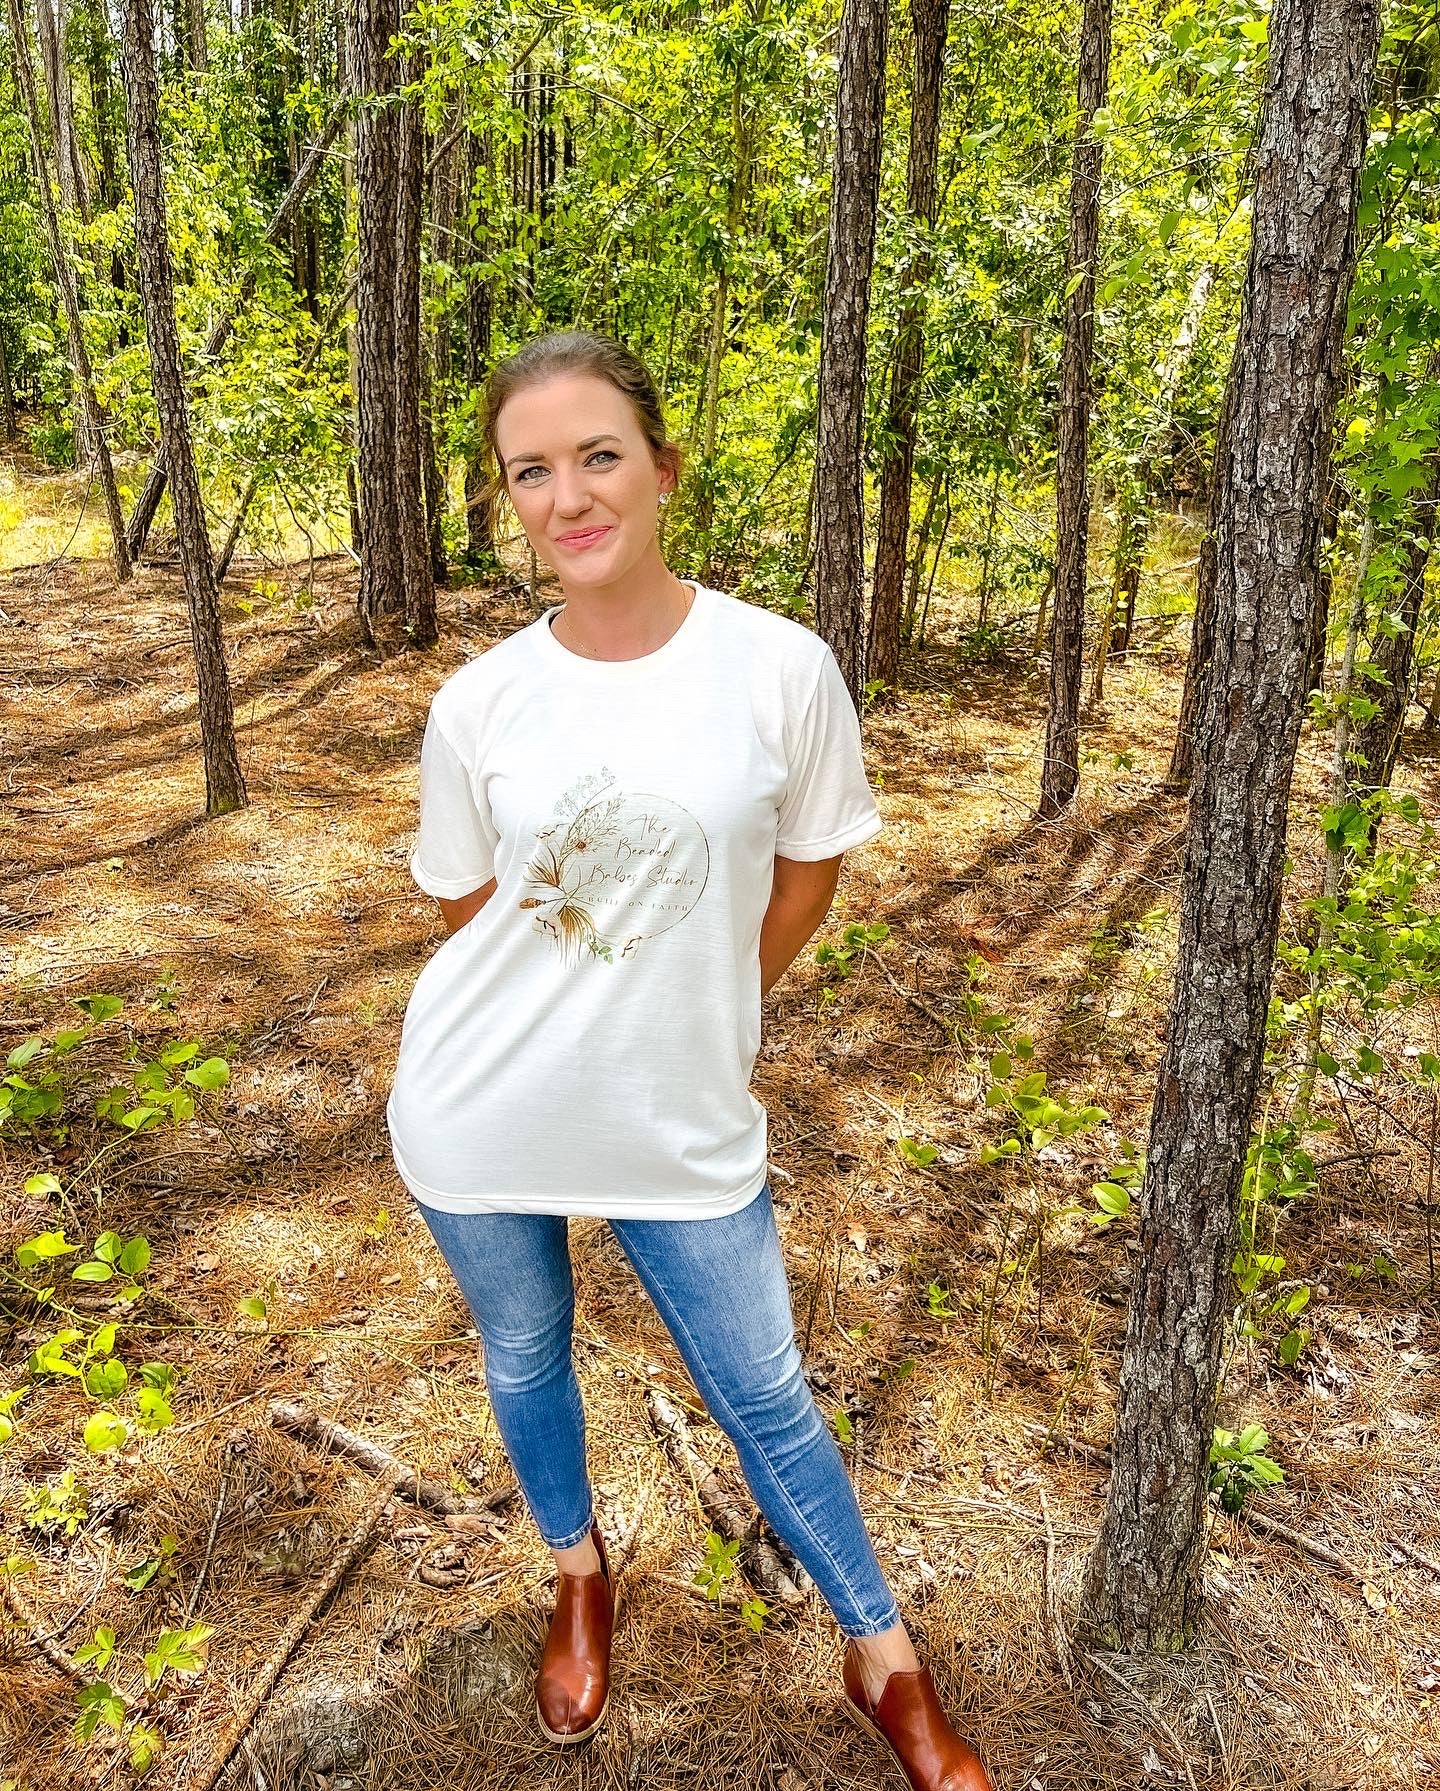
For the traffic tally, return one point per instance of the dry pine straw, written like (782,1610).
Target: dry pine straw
(293,936)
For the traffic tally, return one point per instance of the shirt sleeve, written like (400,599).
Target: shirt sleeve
(828,805)
(455,845)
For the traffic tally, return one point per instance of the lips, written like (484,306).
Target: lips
(584,537)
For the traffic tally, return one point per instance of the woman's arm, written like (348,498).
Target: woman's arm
(456,910)
(800,898)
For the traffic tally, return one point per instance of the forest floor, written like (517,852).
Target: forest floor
(287,938)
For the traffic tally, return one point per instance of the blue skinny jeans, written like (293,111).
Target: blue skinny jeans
(719,1284)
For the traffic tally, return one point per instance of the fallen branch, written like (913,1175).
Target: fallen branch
(1247,1514)
(236,1445)
(1052,1601)
(360,1539)
(59,1658)
(764,1569)
(310,1427)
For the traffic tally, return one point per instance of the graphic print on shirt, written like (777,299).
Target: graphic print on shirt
(614,868)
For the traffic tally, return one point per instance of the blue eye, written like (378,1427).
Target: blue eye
(521,476)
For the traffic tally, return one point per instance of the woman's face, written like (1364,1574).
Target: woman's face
(581,477)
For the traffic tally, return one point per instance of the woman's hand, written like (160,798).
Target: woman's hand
(456,910)
(800,898)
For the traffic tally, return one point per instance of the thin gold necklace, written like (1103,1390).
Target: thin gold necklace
(564,615)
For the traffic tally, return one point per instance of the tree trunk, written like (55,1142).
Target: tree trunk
(148,502)
(69,167)
(850,253)
(7,395)
(70,303)
(1377,741)
(397,596)
(1202,625)
(409,423)
(197,44)
(1061,774)
(1134,531)
(931,21)
(479,540)
(1144,1584)
(224,785)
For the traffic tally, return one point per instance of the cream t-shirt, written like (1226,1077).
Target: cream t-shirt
(585,1043)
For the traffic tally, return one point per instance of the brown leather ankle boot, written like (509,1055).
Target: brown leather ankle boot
(907,1717)
(572,1685)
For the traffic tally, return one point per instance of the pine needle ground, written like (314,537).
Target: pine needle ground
(289,935)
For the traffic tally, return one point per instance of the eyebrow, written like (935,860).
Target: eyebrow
(580,447)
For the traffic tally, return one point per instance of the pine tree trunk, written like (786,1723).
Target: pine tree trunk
(148,502)
(224,785)
(1144,1583)
(396,601)
(409,452)
(931,22)
(69,167)
(7,395)
(850,253)
(70,303)
(1378,740)
(478,313)
(1060,777)
(1202,624)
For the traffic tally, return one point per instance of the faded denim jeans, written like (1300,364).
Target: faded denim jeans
(719,1284)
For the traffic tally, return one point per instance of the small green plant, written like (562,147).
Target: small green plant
(937,1300)
(716,1572)
(855,940)
(1038,1115)
(157,1569)
(89,1356)
(916,1153)
(1240,1466)
(1114,1196)
(60,1505)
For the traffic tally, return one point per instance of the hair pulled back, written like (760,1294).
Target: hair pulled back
(571,351)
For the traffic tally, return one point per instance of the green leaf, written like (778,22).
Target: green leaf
(92,1271)
(213,1073)
(107,1246)
(1000,1066)
(43,1184)
(135,1257)
(105,1430)
(105,1380)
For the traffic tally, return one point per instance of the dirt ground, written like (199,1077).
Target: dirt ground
(287,937)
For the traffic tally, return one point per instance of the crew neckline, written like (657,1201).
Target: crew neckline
(689,630)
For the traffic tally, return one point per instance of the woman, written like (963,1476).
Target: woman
(632,815)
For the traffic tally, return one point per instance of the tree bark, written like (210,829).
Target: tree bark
(69,300)
(224,785)
(1061,774)
(7,394)
(1144,1583)
(1377,741)
(148,502)
(410,423)
(393,547)
(931,21)
(479,313)
(850,253)
(69,166)
(1202,624)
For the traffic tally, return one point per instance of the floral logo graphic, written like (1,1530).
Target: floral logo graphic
(614,868)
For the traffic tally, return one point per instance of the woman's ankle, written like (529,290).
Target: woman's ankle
(582,1557)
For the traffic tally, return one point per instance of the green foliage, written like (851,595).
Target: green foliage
(59,1505)
(1239,1466)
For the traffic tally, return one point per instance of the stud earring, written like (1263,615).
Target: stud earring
(664,497)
